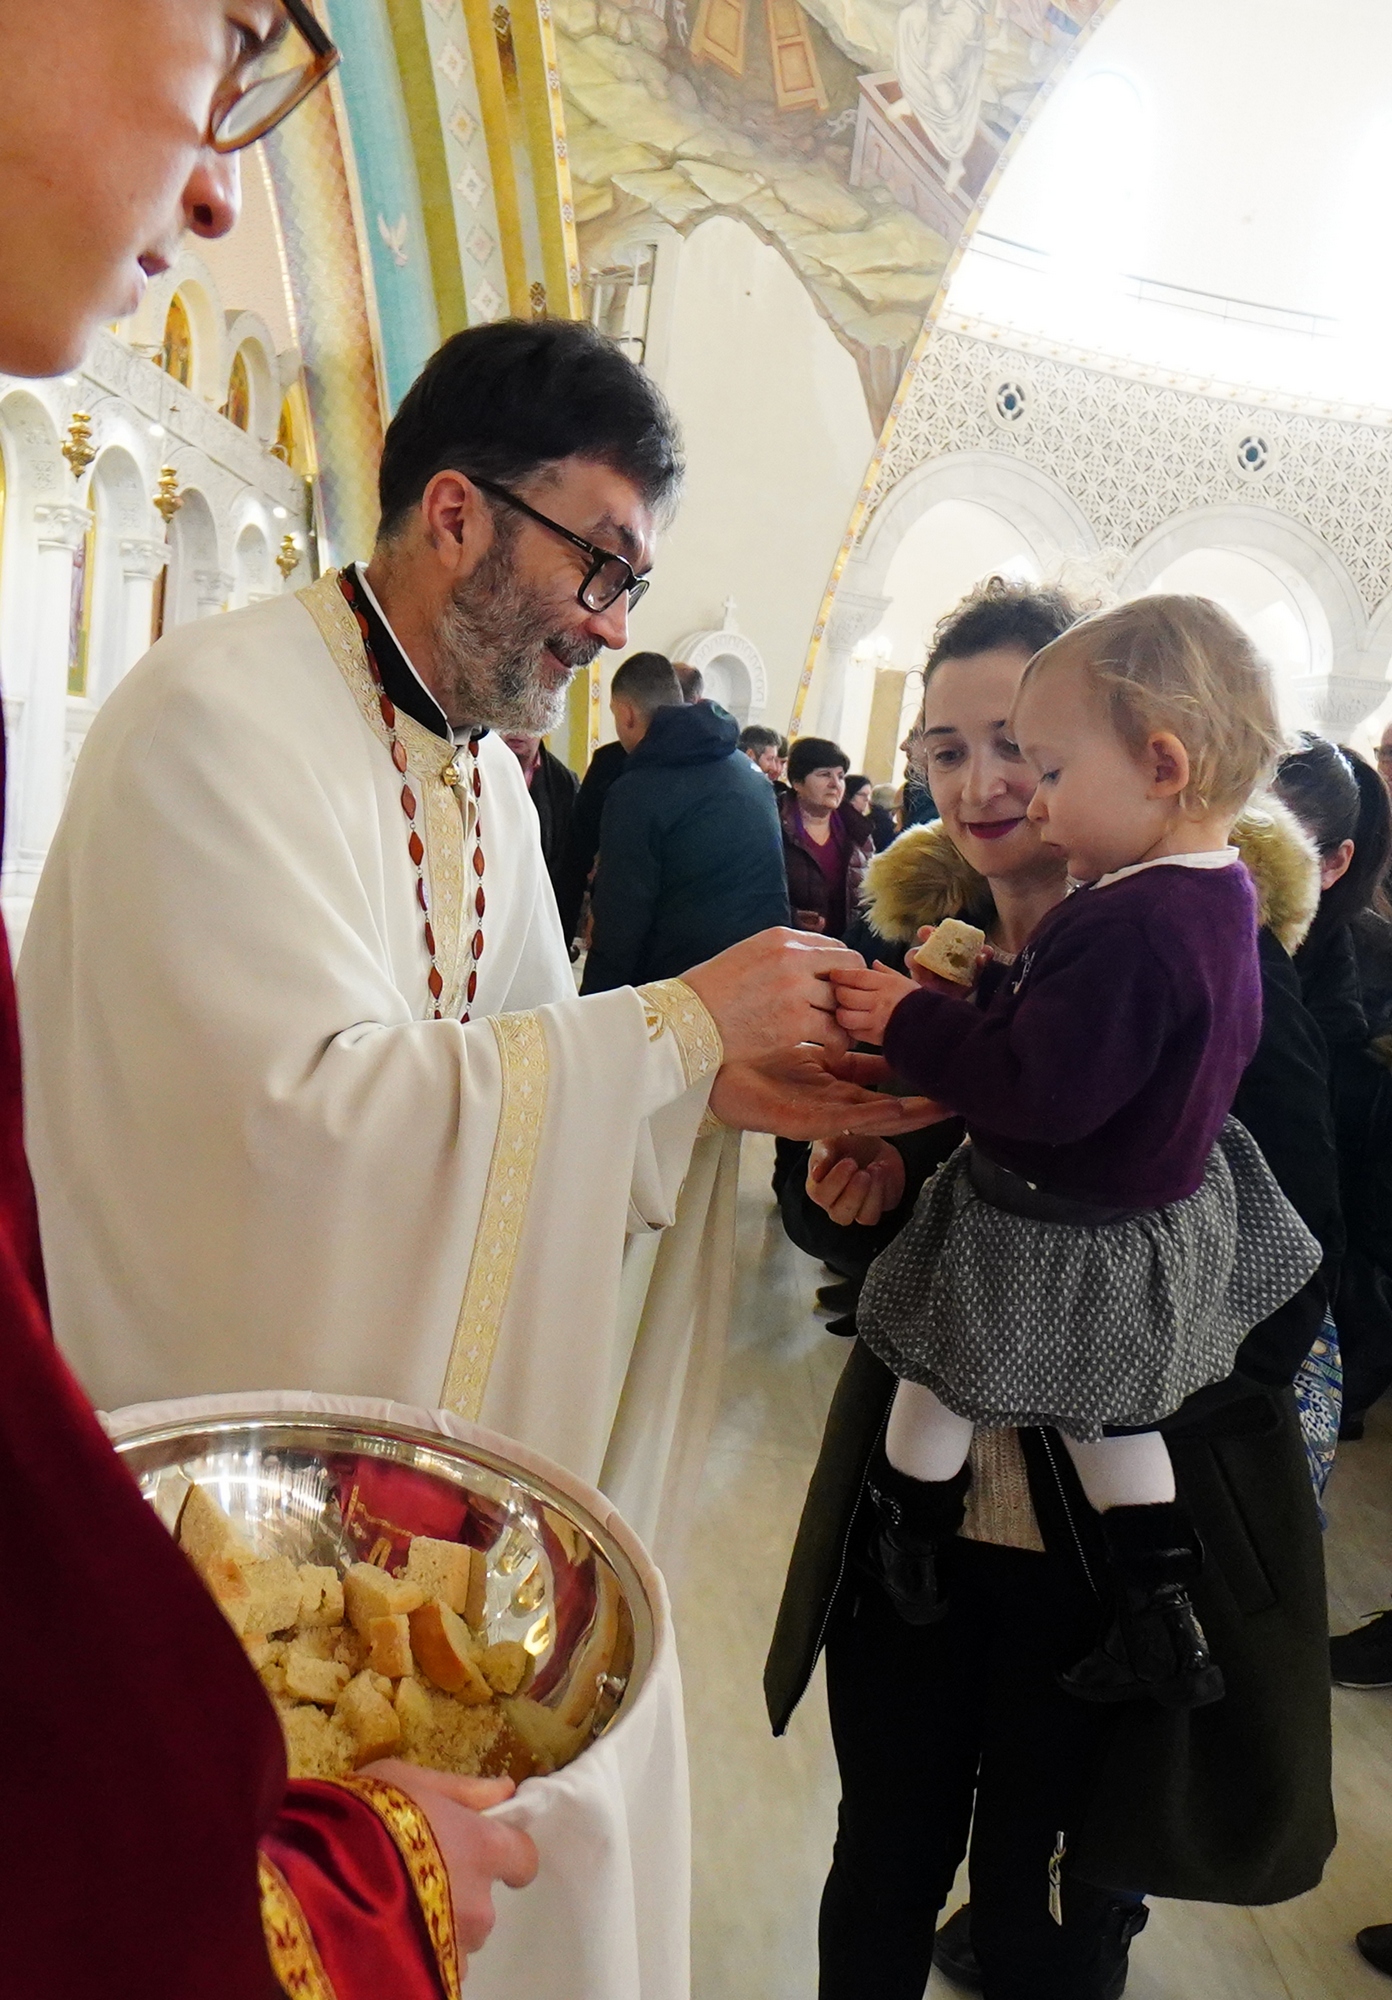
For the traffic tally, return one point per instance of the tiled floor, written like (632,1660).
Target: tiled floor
(764,1811)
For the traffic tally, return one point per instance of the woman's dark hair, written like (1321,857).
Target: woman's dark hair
(1000,613)
(1337,796)
(814,753)
(853,785)
(508,400)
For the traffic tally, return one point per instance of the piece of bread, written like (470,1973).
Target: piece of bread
(444,1570)
(317,1745)
(375,1724)
(368,1593)
(311,1679)
(276,1592)
(350,1648)
(389,1642)
(445,1653)
(506,1666)
(550,1741)
(445,1735)
(321,1596)
(952,951)
(319,1642)
(206,1535)
(230,1588)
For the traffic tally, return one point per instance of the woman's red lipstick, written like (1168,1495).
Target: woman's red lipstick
(992,829)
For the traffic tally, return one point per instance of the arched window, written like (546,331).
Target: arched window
(176,357)
(285,444)
(237,409)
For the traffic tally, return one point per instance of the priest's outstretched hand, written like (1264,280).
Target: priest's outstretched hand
(811,1093)
(773,991)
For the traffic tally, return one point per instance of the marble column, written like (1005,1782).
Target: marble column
(142,559)
(1340,702)
(61,528)
(854,616)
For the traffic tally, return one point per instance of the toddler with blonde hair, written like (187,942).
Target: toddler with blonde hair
(1108,1234)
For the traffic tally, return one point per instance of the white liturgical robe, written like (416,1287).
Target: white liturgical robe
(262,1164)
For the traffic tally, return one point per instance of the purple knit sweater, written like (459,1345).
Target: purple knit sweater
(1102,1064)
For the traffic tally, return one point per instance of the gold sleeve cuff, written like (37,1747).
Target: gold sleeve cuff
(290,1945)
(415,1843)
(672,1007)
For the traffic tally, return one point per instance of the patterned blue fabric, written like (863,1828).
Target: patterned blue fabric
(1319,1396)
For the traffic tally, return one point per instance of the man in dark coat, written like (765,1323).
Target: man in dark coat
(553,787)
(582,843)
(689,847)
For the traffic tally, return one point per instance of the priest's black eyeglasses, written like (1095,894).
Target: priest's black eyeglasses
(279,80)
(608,577)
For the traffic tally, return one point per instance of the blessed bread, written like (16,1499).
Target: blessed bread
(953,951)
(367,1665)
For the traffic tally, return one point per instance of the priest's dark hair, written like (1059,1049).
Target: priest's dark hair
(508,400)
(649,681)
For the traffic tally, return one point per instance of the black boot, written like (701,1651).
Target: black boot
(954,1954)
(1155,1649)
(910,1519)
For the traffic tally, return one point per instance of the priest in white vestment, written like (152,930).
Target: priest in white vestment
(270,1151)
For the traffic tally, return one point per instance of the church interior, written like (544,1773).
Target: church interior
(1084,290)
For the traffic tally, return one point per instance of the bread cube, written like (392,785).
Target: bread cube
(206,1535)
(231,1590)
(317,1745)
(506,1666)
(349,1648)
(309,1679)
(370,1715)
(321,1596)
(276,1590)
(444,1570)
(389,1641)
(368,1593)
(952,951)
(550,1741)
(444,1651)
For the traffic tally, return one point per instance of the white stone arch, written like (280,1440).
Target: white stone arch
(129,555)
(1042,513)
(1346,669)
(733,668)
(190,277)
(253,566)
(249,336)
(196,580)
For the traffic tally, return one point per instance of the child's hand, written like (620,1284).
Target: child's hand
(865,1000)
(934,981)
(855,1180)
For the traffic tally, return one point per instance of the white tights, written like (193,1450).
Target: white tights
(926,1440)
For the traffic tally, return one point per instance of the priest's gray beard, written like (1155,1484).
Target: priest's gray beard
(492,651)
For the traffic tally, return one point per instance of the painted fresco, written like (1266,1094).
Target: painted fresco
(856,135)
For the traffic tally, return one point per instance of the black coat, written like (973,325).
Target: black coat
(554,788)
(582,841)
(1231,1803)
(690,857)
(809,892)
(1331,966)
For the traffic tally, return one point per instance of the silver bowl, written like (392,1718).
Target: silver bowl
(325,1489)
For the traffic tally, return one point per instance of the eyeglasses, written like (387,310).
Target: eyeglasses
(1384,755)
(608,577)
(272,92)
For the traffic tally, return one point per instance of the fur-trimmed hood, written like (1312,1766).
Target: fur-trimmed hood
(921,878)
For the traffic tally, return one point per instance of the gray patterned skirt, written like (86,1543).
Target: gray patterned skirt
(1018,1318)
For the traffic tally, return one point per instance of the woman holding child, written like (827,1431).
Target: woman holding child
(1001,1654)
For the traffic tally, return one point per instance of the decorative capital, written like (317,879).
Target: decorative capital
(143,557)
(62,525)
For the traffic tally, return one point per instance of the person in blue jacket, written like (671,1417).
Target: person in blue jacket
(690,850)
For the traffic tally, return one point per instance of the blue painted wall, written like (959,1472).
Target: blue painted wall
(390,191)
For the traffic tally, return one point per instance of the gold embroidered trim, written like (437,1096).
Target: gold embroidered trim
(427,758)
(671,1004)
(290,1945)
(415,1843)
(526,1065)
(999,1507)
